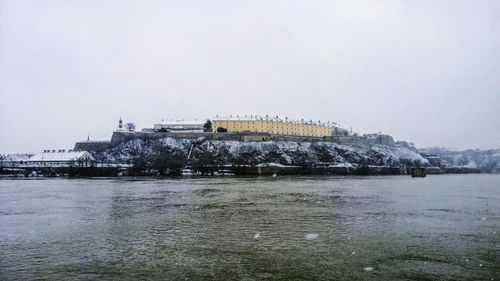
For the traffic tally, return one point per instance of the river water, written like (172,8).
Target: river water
(442,227)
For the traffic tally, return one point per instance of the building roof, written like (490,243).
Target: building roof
(182,122)
(94,141)
(59,156)
(16,157)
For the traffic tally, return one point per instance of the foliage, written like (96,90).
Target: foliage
(273,156)
(301,158)
(221,130)
(167,161)
(205,163)
(130,127)
(161,161)
(247,158)
(323,153)
(140,166)
(207,127)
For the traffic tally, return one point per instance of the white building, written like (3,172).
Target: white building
(49,158)
(180,126)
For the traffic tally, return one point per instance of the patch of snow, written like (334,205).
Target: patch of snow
(471,164)
(278,165)
(341,165)
(58,156)
(311,236)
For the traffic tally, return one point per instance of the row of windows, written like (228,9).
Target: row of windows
(275,125)
(283,129)
(292,126)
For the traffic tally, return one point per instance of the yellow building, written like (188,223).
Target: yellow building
(273,125)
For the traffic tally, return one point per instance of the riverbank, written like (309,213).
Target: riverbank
(266,170)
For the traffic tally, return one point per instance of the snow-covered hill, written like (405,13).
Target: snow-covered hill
(485,160)
(288,153)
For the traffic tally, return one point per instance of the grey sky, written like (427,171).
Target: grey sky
(422,71)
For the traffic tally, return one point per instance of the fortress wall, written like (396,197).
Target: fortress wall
(120,137)
(92,145)
(299,138)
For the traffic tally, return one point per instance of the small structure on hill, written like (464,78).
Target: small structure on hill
(120,125)
(180,126)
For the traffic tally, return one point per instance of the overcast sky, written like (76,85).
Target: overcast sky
(422,71)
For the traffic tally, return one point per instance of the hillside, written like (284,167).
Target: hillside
(487,161)
(277,153)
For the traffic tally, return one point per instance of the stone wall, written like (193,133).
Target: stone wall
(92,145)
(120,137)
(255,138)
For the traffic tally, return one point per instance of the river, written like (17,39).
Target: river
(442,227)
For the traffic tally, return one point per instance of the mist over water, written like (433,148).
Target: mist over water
(351,228)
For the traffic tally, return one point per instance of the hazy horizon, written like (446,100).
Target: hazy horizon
(424,72)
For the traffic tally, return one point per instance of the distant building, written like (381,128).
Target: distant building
(92,145)
(273,125)
(180,126)
(50,158)
(380,138)
(14,158)
(434,160)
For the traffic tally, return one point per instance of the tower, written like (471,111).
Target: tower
(120,125)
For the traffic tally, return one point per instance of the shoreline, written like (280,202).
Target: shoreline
(245,171)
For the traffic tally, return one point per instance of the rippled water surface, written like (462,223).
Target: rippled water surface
(301,228)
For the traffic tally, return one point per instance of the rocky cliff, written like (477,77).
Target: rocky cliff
(286,153)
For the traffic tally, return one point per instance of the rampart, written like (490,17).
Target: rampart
(92,145)
(120,137)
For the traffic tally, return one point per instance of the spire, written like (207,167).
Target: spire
(88,137)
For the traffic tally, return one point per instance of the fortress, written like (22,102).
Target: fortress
(291,143)
(273,125)
(245,128)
